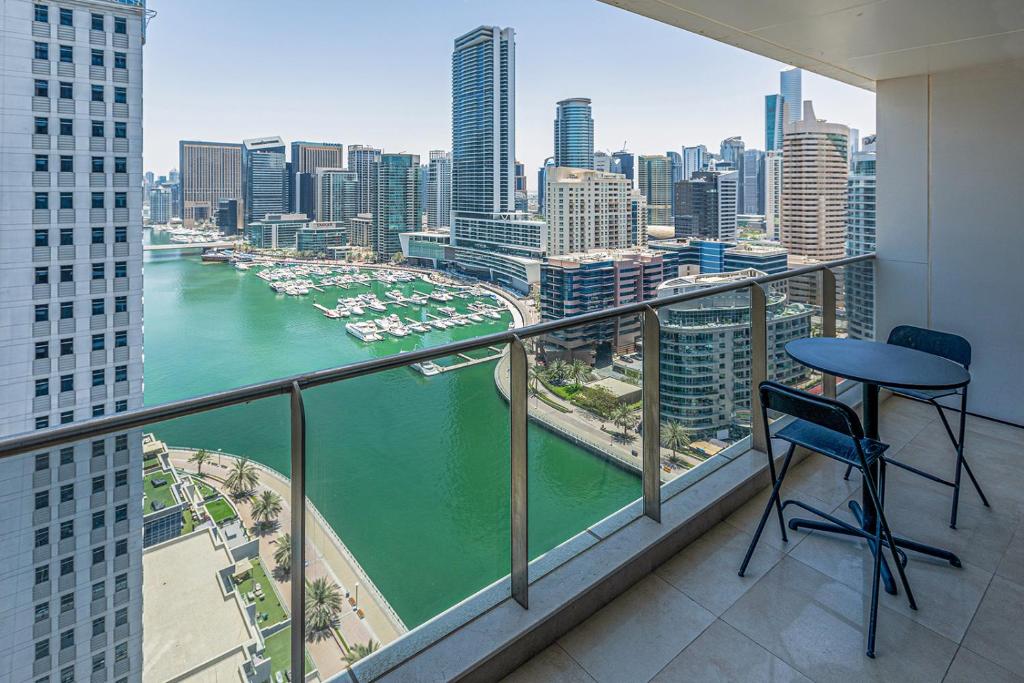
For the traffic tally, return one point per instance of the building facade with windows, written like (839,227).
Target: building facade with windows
(210,172)
(337,194)
(439,189)
(264,177)
(160,206)
(363,159)
(306,159)
(654,180)
(397,208)
(71,331)
(586,210)
(574,133)
(860,239)
(706,205)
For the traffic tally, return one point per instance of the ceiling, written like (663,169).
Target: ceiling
(855,42)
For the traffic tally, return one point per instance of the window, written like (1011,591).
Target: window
(42,574)
(42,163)
(42,388)
(98,129)
(42,498)
(67,91)
(42,14)
(120,304)
(67,417)
(99,555)
(67,273)
(98,235)
(42,350)
(99,590)
(67,493)
(41,89)
(121,652)
(120,95)
(120,339)
(41,51)
(42,276)
(67,200)
(97,58)
(120,25)
(67,674)
(99,377)
(67,235)
(120,200)
(67,310)
(121,406)
(121,269)
(42,313)
(42,649)
(120,129)
(42,200)
(42,611)
(98,342)
(67,566)
(42,422)
(121,617)
(98,411)
(98,307)
(120,478)
(99,448)
(99,484)
(42,238)
(67,163)
(42,537)
(67,383)
(99,625)
(67,455)
(97,200)
(121,513)
(120,165)
(99,662)
(121,547)
(97,164)
(67,17)
(41,126)
(121,234)
(120,60)
(67,127)
(121,442)
(67,54)
(67,529)
(98,271)
(97,22)
(67,639)
(120,583)
(99,519)
(97,93)
(121,373)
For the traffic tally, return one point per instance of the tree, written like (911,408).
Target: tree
(283,553)
(398,257)
(323,602)
(242,478)
(266,507)
(200,457)
(622,416)
(357,651)
(536,374)
(557,369)
(675,437)
(577,372)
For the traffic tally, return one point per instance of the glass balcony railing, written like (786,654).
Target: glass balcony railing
(424,502)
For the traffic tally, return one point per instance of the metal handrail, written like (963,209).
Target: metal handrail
(101,426)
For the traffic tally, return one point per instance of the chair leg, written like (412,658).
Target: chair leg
(773,501)
(876,575)
(869,484)
(849,468)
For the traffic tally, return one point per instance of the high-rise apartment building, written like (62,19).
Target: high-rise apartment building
(337,195)
(160,206)
(694,159)
(773,120)
(586,210)
(637,219)
(71,337)
(397,206)
(860,239)
(791,90)
(306,158)
(542,181)
(522,202)
(363,160)
(603,162)
(707,205)
(439,189)
(624,162)
(654,180)
(210,172)
(772,192)
(264,177)
(752,181)
(813,197)
(731,151)
(574,133)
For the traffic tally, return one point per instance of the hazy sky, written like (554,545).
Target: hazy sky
(379,73)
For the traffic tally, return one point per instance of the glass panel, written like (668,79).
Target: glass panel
(859,296)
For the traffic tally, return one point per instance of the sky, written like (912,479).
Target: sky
(379,73)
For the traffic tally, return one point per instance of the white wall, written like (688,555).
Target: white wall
(951,219)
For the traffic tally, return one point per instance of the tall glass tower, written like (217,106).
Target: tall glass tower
(574,133)
(264,178)
(790,88)
(772,122)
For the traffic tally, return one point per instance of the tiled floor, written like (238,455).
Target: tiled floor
(799,612)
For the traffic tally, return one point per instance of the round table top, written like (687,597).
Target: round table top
(878,363)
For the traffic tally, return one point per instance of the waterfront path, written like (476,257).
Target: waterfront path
(324,557)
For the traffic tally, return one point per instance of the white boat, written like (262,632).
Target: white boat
(376,306)
(491,313)
(447,309)
(418,327)
(460,321)
(428,368)
(439,324)
(398,331)
(394,294)
(332,313)
(363,331)
(476,317)
(342,312)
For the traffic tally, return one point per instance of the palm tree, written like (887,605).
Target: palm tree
(675,437)
(266,507)
(578,372)
(622,416)
(200,457)
(357,651)
(283,553)
(242,478)
(323,602)
(536,374)
(557,369)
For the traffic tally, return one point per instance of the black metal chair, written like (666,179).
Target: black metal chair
(832,429)
(957,349)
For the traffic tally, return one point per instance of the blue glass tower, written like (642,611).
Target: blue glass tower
(772,122)
(264,177)
(790,87)
(574,133)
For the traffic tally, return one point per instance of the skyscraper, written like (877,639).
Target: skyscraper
(654,180)
(71,338)
(363,160)
(397,207)
(675,160)
(860,239)
(586,210)
(210,172)
(603,162)
(159,206)
(694,159)
(706,205)
(264,177)
(790,88)
(813,197)
(624,163)
(306,158)
(522,203)
(439,189)
(772,192)
(337,195)
(752,180)
(574,133)
(773,120)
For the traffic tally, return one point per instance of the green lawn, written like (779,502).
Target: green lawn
(205,490)
(269,603)
(157,493)
(279,652)
(189,521)
(220,511)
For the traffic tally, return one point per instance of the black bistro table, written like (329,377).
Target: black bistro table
(876,364)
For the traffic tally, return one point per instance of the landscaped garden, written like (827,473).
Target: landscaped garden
(278,650)
(205,490)
(268,604)
(156,491)
(220,511)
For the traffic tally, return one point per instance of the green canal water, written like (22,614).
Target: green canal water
(411,472)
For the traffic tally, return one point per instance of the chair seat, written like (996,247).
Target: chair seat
(924,394)
(830,443)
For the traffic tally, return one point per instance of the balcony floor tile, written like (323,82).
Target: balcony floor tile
(996,632)
(968,667)
(553,665)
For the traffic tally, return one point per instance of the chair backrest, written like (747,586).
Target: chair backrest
(950,346)
(824,412)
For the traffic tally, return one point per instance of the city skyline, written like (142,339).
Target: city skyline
(734,90)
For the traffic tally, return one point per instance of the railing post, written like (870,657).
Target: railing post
(518,397)
(828,323)
(758,364)
(651,379)
(298,534)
